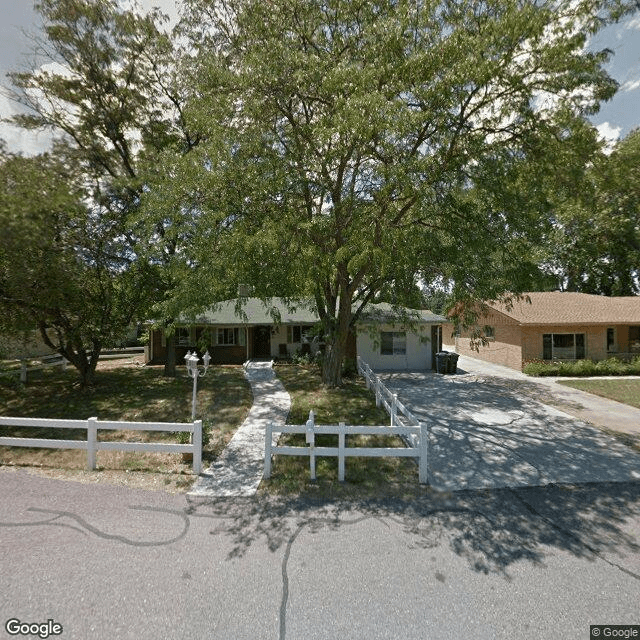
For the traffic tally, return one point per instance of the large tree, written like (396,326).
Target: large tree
(595,243)
(64,267)
(107,83)
(350,143)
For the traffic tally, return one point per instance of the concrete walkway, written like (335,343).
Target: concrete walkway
(238,471)
(487,430)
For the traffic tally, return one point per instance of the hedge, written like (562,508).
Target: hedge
(584,368)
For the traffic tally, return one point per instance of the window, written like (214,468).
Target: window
(611,339)
(183,338)
(563,346)
(298,334)
(489,332)
(227,337)
(393,343)
(294,334)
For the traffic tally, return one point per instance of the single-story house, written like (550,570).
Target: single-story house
(556,325)
(237,330)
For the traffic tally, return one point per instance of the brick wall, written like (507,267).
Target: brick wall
(504,349)
(595,340)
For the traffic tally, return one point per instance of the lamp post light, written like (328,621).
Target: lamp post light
(191,360)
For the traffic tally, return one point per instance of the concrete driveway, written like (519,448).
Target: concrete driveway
(485,433)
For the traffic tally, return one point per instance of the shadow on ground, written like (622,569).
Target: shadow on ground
(485,432)
(492,530)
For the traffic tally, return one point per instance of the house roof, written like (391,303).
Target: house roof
(564,307)
(254,311)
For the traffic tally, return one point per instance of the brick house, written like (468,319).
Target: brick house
(236,330)
(556,325)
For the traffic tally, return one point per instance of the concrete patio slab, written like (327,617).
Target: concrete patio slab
(483,434)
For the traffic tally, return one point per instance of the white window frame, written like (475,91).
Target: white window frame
(292,329)
(230,336)
(182,337)
(398,343)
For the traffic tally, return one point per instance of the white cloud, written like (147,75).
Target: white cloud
(630,85)
(634,23)
(609,134)
(20,140)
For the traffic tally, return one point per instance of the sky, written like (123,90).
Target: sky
(615,119)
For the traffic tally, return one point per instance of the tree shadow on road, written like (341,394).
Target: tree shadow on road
(491,529)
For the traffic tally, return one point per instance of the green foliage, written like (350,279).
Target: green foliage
(584,368)
(378,144)
(64,267)
(109,90)
(595,245)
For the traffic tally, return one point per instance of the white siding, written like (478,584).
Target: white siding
(418,351)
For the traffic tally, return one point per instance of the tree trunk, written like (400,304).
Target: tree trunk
(170,360)
(337,349)
(332,365)
(84,363)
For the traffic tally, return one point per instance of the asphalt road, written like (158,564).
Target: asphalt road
(109,562)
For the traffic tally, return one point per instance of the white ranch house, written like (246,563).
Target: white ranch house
(235,331)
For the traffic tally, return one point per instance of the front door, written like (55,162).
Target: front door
(261,342)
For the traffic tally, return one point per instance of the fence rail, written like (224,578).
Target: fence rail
(385,398)
(92,444)
(419,433)
(55,361)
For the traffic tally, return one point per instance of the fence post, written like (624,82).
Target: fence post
(267,450)
(378,392)
(92,436)
(23,371)
(341,452)
(423,474)
(197,447)
(311,441)
(394,410)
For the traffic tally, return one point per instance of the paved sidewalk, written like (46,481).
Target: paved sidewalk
(238,471)
(596,410)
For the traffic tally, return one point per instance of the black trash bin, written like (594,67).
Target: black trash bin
(442,361)
(452,362)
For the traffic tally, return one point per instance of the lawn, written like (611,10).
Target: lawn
(133,393)
(352,404)
(626,390)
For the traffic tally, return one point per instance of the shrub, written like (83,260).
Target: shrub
(583,368)
(539,368)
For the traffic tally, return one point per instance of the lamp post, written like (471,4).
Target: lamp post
(191,360)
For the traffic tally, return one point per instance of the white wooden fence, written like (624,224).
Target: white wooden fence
(400,415)
(92,444)
(342,451)
(49,361)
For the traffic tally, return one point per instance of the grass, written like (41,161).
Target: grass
(123,393)
(625,391)
(352,404)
